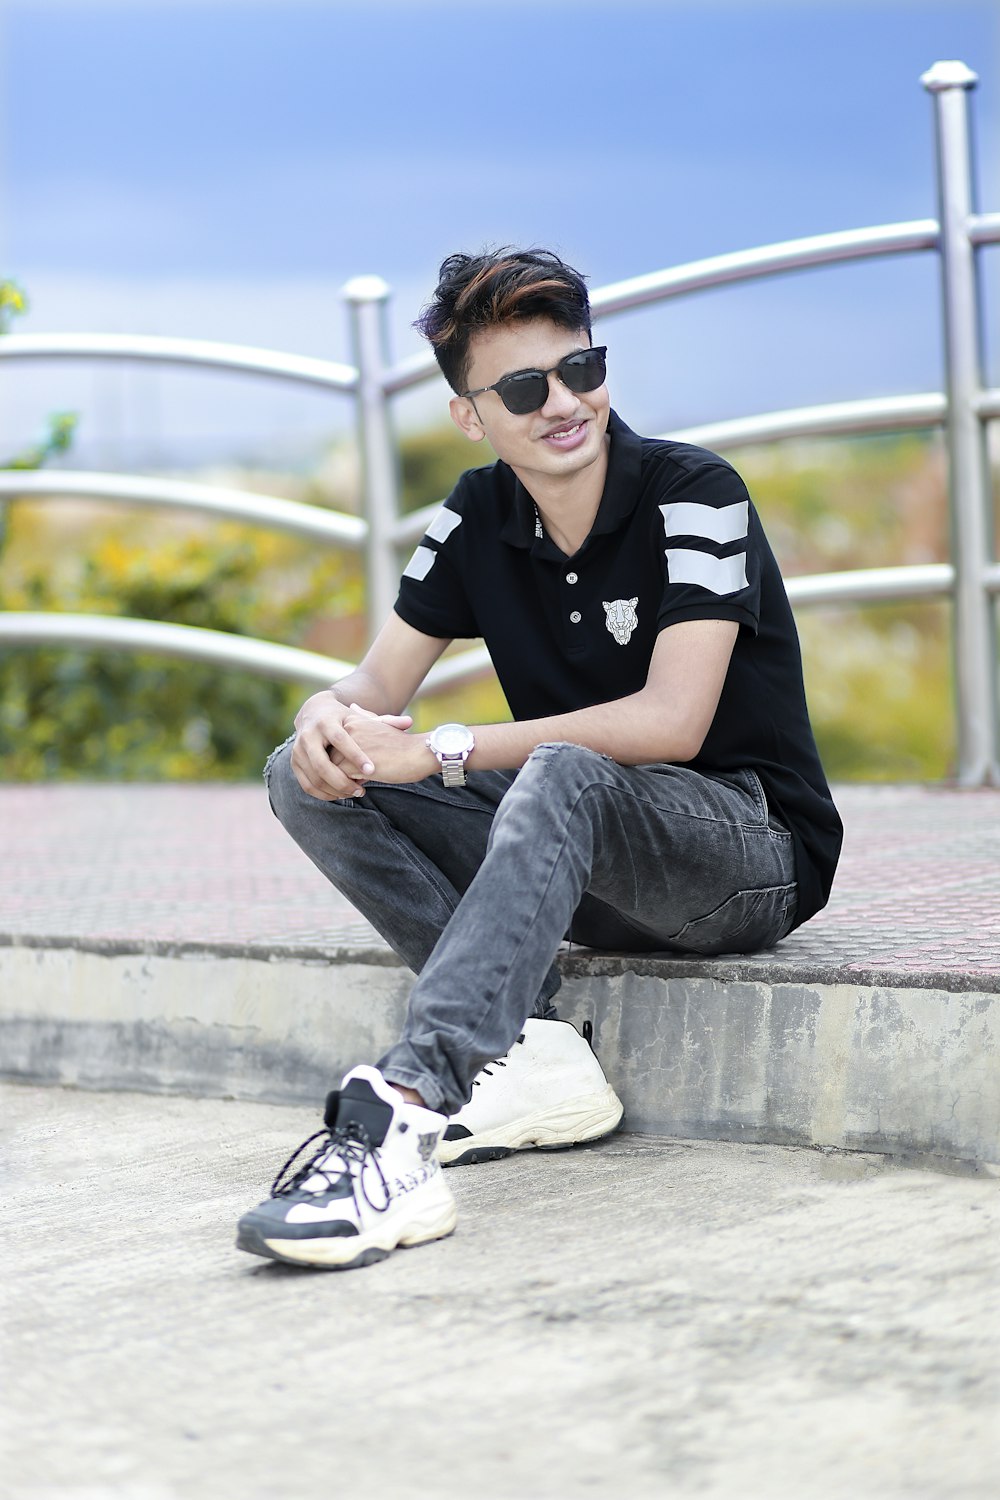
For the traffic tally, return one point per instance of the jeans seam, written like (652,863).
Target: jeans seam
(680,812)
(760,891)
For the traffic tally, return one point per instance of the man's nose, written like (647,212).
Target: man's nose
(560,399)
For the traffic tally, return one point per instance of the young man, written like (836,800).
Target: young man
(658,788)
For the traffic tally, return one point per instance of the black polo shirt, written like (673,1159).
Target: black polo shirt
(676,537)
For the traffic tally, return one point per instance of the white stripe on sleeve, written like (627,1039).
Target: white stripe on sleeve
(443,524)
(420,564)
(685,518)
(721,575)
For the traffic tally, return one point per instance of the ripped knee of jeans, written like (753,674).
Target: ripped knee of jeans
(269,763)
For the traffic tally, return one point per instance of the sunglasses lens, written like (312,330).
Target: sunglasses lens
(584,371)
(523,392)
(527,390)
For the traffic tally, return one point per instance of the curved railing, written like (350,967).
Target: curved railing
(152,349)
(971,579)
(232,505)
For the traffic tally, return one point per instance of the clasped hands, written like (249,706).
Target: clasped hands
(339,747)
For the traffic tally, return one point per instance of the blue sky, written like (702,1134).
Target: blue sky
(221,167)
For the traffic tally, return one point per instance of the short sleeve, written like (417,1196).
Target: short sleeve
(432,594)
(710,536)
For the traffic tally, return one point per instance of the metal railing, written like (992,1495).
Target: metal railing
(971,580)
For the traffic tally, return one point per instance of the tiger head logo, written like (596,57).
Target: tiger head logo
(621,619)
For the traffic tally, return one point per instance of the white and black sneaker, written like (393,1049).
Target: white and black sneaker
(549,1091)
(372,1183)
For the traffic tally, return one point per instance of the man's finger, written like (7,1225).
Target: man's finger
(324,778)
(349,752)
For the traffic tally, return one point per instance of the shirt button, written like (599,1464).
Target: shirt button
(576,617)
(571,577)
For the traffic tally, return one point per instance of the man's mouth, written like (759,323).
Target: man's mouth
(565,433)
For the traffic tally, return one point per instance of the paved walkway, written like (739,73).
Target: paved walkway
(917,897)
(643,1318)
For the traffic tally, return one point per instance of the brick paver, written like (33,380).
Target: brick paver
(917,898)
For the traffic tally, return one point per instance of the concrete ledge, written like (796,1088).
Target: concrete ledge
(731,1049)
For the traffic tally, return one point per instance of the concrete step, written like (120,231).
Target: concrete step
(172,939)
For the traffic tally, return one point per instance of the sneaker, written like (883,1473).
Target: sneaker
(372,1183)
(549,1091)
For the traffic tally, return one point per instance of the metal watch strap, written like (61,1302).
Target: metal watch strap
(453,771)
(452,744)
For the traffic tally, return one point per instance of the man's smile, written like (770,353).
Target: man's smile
(567,434)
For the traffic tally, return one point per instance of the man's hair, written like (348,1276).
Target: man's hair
(499,286)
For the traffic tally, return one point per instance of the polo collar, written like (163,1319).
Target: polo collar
(620,497)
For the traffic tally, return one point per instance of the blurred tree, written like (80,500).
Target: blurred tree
(12,303)
(56,439)
(878,678)
(431,461)
(61,425)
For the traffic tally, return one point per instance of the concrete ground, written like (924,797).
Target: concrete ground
(646,1317)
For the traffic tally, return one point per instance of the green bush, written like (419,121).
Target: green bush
(431,461)
(878,677)
(101,714)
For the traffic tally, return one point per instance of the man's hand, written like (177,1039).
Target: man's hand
(327,760)
(382,738)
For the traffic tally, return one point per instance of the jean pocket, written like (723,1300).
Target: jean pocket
(751,784)
(754,788)
(746,923)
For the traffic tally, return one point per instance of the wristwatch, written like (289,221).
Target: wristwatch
(452,744)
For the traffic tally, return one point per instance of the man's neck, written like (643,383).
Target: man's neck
(568,506)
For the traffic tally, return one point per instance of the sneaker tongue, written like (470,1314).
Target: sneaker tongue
(359,1104)
(355,1105)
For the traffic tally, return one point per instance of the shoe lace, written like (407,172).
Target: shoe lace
(349,1150)
(498,1062)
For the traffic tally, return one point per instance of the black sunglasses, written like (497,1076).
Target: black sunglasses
(527,390)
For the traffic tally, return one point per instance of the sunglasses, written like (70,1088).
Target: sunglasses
(528,390)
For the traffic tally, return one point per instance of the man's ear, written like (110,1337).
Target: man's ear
(466,418)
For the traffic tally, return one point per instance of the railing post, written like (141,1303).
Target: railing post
(975,634)
(367,298)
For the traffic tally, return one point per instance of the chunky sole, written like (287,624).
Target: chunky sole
(346,1252)
(568,1123)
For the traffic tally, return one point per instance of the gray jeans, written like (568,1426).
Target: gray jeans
(476,887)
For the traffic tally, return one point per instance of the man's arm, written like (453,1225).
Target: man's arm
(326,758)
(667,720)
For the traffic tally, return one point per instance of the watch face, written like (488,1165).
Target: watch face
(451,739)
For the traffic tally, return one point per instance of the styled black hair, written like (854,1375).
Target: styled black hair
(495,287)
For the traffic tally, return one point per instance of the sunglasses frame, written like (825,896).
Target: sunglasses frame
(517,376)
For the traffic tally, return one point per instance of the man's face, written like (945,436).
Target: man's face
(559,440)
